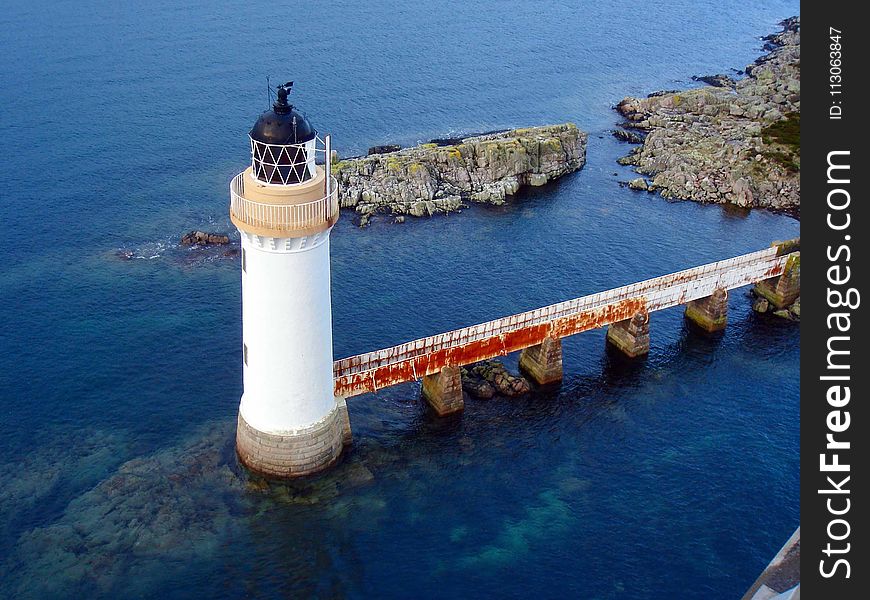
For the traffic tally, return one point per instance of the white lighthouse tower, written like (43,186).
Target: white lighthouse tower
(284,206)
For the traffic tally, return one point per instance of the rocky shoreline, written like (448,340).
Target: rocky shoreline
(443,175)
(731,142)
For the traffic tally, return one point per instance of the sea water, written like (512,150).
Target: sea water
(122,124)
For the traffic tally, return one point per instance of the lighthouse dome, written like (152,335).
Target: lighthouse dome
(283,143)
(282,128)
(283,125)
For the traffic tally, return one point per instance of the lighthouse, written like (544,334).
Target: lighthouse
(284,205)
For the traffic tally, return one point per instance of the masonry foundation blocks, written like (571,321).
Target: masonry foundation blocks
(710,313)
(543,363)
(782,291)
(443,391)
(294,453)
(631,336)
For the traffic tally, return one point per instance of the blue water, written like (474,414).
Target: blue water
(122,123)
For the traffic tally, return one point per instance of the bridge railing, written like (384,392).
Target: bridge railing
(371,371)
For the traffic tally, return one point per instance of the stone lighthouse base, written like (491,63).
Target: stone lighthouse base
(294,453)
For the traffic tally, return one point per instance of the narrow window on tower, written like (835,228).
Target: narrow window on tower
(245,353)
(244,270)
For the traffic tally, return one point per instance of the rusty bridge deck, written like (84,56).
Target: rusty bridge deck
(372,371)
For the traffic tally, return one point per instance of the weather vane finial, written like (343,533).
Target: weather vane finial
(281,105)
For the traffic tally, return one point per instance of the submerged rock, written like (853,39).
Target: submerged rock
(170,506)
(356,475)
(439,177)
(738,143)
(70,459)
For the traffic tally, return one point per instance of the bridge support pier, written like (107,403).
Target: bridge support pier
(710,313)
(443,391)
(344,419)
(782,291)
(631,336)
(543,362)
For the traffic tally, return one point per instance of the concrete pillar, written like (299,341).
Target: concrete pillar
(443,391)
(344,418)
(543,362)
(782,291)
(710,313)
(631,336)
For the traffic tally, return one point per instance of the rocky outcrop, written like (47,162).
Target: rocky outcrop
(490,377)
(441,176)
(202,238)
(638,183)
(626,135)
(475,385)
(738,142)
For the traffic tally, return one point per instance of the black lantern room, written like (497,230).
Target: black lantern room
(283,143)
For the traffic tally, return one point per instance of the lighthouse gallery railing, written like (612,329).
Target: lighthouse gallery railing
(282,217)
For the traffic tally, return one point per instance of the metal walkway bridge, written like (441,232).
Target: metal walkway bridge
(414,360)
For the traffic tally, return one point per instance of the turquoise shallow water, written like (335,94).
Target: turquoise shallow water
(119,381)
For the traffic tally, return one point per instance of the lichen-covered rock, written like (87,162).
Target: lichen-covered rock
(439,177)
(737,144)
(760,305)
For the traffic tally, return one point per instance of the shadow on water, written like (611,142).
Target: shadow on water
(694,340)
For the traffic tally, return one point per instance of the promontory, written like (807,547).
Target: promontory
(734,142)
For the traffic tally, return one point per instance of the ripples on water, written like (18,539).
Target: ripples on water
(673,477)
